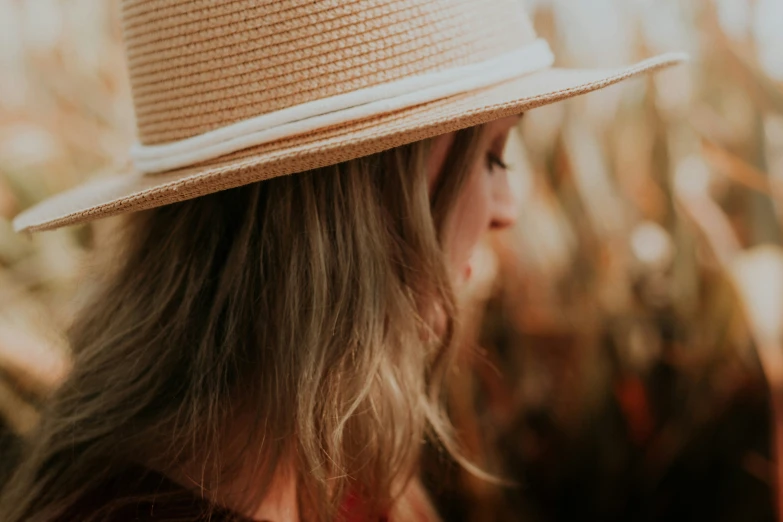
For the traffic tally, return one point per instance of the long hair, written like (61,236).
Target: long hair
(283,323)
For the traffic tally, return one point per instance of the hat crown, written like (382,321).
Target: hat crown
(198,65)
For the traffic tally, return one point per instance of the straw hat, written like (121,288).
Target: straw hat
(229,92)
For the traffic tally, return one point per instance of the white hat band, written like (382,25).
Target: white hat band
(343,108)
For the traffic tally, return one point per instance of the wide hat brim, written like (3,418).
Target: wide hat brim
(133,191)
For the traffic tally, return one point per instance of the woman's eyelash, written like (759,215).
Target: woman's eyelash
(493,160)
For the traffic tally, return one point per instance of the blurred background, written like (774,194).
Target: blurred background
(625,341)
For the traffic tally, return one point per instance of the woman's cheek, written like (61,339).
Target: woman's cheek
(471,223)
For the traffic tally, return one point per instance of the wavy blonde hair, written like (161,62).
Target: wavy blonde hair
(299,305)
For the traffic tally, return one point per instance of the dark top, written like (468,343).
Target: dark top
(142,495)
(139,494)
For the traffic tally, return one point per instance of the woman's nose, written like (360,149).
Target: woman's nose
(505,202)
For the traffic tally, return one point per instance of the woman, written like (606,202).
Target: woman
(270,337)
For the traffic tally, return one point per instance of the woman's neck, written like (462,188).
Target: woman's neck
(274,502)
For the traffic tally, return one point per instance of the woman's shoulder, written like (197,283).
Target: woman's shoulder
(138,494)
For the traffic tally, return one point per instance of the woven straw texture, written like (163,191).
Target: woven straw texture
(133,192)
(199,65)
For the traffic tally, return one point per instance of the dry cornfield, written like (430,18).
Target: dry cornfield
(628,362)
